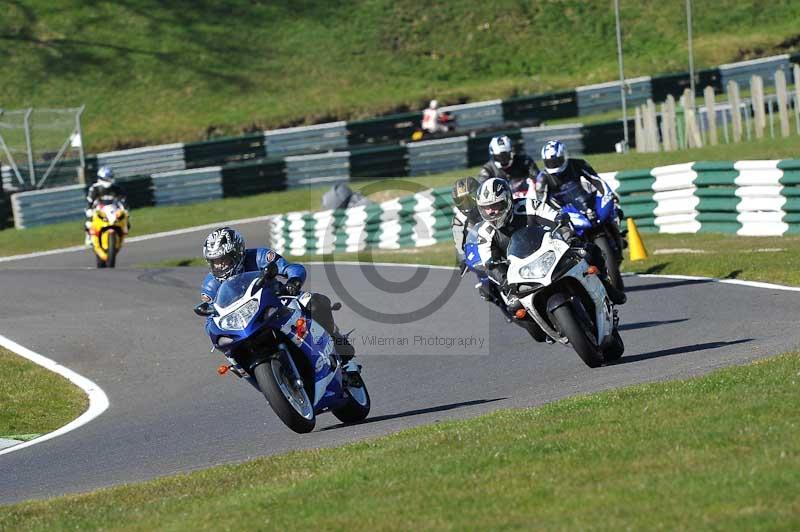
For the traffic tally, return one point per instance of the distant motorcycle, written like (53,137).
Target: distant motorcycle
(552,283)
(593,217)
(271,341)
(108,229)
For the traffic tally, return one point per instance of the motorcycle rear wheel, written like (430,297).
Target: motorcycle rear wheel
(571,327)
(357,407)
(291,404)
(612,262)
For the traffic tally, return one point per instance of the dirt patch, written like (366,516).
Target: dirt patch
(788,45)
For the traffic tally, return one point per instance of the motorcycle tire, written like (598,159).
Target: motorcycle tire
(112,250)
(358,402)
(616,349)
(271,378)
(612,263)
(570,326)
(100,262)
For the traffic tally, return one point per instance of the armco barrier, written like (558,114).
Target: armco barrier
(606,96)
(766,67)
(40,207)
(254,177)
(144,161)
(675,84)
(187,186)
(432,156)
(139,191)
(478,115)
(413,221)
(306,139)
(378,161)
(383,129)
(304,170)
(225,150)
(535,137)
(534,109)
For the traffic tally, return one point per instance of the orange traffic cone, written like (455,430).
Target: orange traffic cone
(635,244)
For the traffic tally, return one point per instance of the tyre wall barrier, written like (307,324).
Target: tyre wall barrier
(478,115)
(253,177)
(570,134)
(749,198)
(223,151)
(417,220)
(534,109)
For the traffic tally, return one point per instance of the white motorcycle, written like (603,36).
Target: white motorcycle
(552,284)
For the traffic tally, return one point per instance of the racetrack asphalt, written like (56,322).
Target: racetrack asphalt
(133,333)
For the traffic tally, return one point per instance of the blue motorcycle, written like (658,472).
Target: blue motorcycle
(273,342)
(593,217)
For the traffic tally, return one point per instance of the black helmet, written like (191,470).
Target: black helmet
(464,192)
(224,252)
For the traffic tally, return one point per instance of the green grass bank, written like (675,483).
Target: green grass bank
(166,72)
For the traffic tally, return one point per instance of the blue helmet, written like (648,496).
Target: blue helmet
(106,175)
(554,156)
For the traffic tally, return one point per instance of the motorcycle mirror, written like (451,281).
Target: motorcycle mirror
(336,306)
(204,309)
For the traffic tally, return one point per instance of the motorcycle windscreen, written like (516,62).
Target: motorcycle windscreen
(525,241)
(234,288)
(574,194)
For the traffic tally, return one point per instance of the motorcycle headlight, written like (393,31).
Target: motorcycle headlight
(538,268)
(239,318)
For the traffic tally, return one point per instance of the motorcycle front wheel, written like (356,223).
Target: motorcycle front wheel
(570,326)
(111,253)
(285,393)
(358,402)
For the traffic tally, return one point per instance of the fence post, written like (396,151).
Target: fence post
(694,140)
(783,102)
(736,113)
(797,97)
(673,130)
(637,130)
(711,115)
(666,137)
(757,97)
(653,119)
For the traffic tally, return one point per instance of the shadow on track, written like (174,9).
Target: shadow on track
(646,324)
(667,284)
(680,350)
(409,413)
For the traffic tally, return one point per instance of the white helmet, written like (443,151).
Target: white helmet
(494,201)
(554,156)
(434,104)
(500,151)
(105,176)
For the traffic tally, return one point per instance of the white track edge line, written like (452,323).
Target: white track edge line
(98,401)
(142,238)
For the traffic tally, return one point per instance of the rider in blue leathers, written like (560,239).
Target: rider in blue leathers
(225,252)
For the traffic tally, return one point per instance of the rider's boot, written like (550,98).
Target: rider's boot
(487,295)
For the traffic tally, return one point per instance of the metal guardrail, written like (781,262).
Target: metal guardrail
(306,139)
(431,156)
(303,170)
(187,186)
(478,115)
(569,134)
(765,67)
(144,161)
(605,96)
(40,207)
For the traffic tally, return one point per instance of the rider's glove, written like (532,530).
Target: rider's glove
(292,287)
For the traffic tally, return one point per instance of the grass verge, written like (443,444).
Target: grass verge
(711,452)
(34,400)
(156,219)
